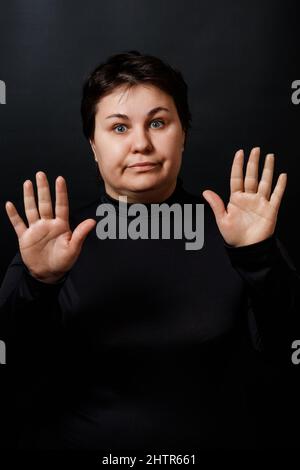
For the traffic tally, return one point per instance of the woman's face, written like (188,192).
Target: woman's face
(140,135)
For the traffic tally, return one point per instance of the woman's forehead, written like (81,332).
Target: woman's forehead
(124,100)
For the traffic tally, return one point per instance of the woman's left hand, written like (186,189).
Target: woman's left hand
(251,213)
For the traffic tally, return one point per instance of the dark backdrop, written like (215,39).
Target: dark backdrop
(239,60)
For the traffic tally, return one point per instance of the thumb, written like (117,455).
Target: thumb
(80,233)
(215,203)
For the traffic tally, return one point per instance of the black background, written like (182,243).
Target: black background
(239,60)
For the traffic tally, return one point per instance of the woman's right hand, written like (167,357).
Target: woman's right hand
(48,247)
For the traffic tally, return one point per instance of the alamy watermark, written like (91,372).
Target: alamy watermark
(159,222)
(296,354)
(296,94)
(2,343)
(2,352)
(2,92)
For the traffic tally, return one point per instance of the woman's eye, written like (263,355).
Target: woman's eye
(122,125)
(158,120)
(118,126)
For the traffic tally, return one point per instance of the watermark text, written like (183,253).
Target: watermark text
(2,92)
(2,352)
(137,221)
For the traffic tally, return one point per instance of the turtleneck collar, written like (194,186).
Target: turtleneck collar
(174,197)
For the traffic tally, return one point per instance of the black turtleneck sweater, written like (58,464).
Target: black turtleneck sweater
(146,345)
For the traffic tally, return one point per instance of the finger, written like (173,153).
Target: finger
(31,211)
(279,189)
(44,196)
(265,184)
(251,175)
(215,203)
(236,177)
(61,199)
(16,221)
(80,233)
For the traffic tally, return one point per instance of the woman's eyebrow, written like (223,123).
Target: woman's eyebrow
(150,113)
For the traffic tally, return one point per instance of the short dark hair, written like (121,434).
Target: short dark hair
(131,68)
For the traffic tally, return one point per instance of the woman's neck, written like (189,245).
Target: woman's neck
(142,197)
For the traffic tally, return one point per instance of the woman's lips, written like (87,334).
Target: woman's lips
(143,166)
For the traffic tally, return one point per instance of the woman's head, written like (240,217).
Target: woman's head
(133,85)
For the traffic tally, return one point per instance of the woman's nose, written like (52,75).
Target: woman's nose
(141,141)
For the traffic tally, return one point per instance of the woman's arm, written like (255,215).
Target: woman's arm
(48,249)
(247,225)
(273,286)
(29,308)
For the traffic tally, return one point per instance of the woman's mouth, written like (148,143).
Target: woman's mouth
(143,166)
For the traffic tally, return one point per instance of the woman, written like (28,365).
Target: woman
(155,344)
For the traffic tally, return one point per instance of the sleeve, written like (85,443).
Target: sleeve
(272,286)
(31,325)
(29,308)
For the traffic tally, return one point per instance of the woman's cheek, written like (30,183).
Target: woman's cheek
(172,141)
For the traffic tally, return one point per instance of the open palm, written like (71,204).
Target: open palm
(251,213)
(47,246)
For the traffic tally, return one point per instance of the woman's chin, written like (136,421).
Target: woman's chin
(144,182)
